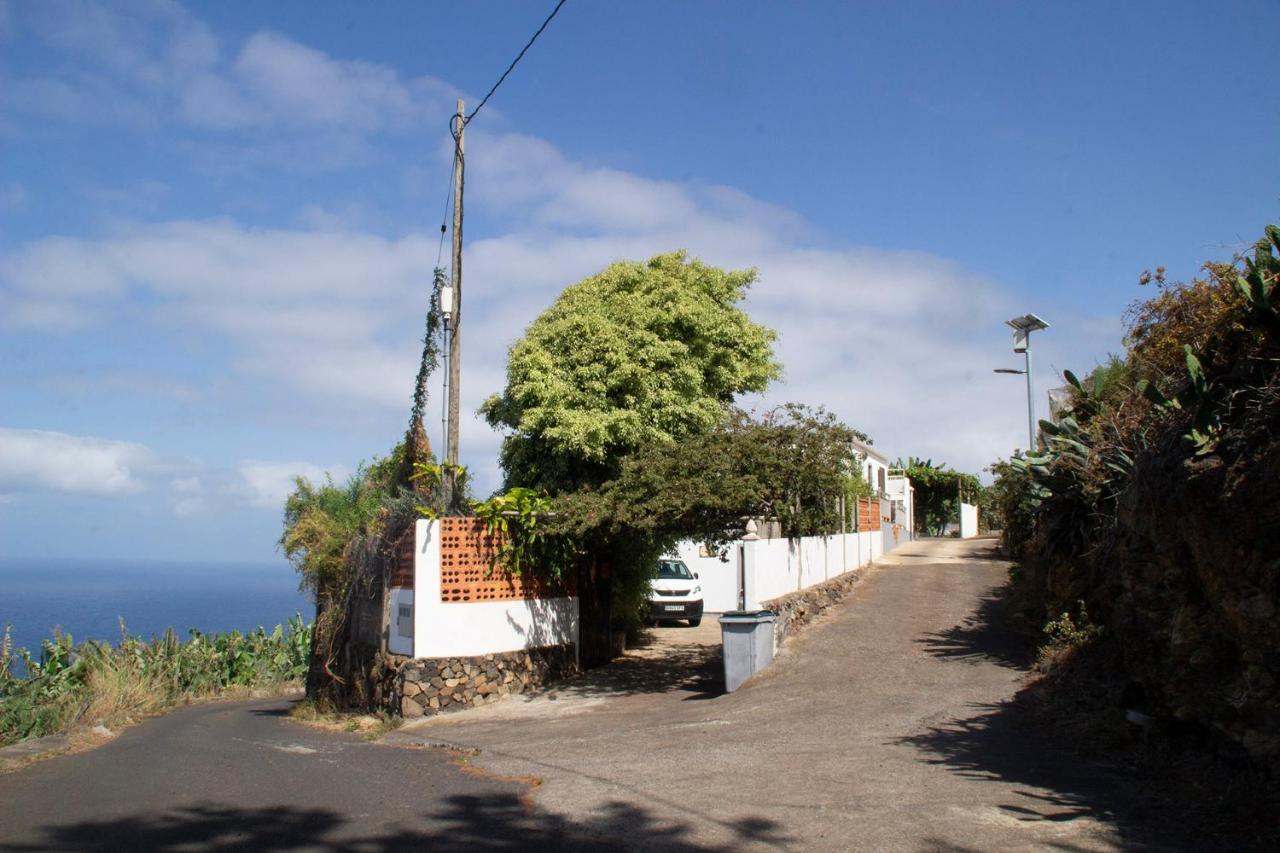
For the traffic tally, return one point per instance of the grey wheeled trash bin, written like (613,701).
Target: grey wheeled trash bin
(747,636)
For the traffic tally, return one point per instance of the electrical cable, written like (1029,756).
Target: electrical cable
(444,217)
(459,161)
(513,64)
(459,173)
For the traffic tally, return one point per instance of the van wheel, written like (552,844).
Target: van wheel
(694,623)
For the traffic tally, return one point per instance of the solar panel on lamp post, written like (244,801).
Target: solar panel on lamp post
(1022,328)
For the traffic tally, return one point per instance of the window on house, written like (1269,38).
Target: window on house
(882,483)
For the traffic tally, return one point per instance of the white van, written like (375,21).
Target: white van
(675,594)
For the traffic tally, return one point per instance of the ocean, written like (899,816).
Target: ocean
(88,598)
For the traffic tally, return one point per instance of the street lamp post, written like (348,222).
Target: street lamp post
(1022,328)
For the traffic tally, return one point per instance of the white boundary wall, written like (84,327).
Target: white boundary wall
(968,521)
(465,628)
(719,579)
(778,566)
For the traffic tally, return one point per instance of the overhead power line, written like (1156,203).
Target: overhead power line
(514,63)
(455,131)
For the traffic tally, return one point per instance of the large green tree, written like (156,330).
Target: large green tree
(636,355)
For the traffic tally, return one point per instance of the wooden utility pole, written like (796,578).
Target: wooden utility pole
(455,339)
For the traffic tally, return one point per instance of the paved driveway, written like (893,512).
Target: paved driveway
(884,726)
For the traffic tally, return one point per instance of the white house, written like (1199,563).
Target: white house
(874,464)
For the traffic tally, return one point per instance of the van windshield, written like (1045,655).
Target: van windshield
(674,569)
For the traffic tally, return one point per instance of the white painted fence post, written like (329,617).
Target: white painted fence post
(749,541)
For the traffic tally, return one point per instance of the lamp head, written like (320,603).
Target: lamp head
(1022,327)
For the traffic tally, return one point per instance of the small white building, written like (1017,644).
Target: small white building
(874,464)
(902,508)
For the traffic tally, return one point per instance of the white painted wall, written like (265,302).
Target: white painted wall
(719,578)
(449,629)
(779,566)
(968,521)
(812,560)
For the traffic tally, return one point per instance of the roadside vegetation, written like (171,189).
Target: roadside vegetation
(67,686)
(622,436)
(1147,529)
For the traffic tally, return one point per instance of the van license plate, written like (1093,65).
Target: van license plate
(671,607)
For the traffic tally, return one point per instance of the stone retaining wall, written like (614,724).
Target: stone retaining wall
(798,609)
(428,686)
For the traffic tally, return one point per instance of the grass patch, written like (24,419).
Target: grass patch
(322,714)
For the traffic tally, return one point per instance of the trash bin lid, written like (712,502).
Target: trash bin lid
(747,617)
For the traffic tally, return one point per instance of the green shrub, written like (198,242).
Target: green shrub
(66,683)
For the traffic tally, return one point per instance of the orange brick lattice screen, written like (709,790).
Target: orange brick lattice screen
(868,514)
(467,572)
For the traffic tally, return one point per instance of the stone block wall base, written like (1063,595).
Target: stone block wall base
(797,609)
(424,687)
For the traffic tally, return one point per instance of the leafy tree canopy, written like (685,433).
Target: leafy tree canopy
(639,354)
(793,465)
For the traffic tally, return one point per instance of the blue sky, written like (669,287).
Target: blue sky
(218,221)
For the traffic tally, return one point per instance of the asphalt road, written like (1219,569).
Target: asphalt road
(886,725)
(240,776)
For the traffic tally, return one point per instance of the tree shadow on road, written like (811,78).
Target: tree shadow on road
(996,744)
(1001,743)
(696,669)
(464,822)
(984,635)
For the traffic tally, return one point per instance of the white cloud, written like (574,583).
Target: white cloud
(151,63)
(309,309)
(37,460)
(899,344)
(277,79)
(33,461)
(269,483)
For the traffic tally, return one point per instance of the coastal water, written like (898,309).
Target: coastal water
(89,598)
